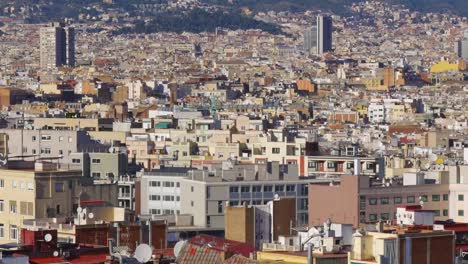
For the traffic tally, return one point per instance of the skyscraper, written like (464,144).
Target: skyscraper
(324,34)
(461,46)
(310,40)
(57,46)
(318,38)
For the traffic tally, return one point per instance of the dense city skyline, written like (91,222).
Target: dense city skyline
(201,131)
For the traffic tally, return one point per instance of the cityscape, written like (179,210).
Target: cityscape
(236,132)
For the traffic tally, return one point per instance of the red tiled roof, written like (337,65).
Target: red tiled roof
(221,244)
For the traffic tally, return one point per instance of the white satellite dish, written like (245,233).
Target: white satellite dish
(79,209)
(143,253)
(178,247)
(90,215)
(48,237)
(3,160)
(56,253)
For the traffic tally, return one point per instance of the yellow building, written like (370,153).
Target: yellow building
(444,66)
(49,88)
(39,190)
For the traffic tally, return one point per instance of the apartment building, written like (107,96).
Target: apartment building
(403,246)
(159,191)
(258,224)
(57,145)
(357,199)
(99,165)
(344,165)
(205,192)
(39,190)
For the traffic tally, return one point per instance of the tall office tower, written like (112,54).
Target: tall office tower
(461,46)
(57,46)
(310,40)
(324,34)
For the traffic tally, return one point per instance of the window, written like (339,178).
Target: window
(461,197)
(58,209)
(2,183)
(372,201)
(46,137)
(397,200)
(155,211)
(154,184)
(70,139)
(33,151)
(96,161)
(290,188)
(168,198)
(154,197)
(373,217)
(13,207)
(34,138)
(177,184)
(267,188)
(275,150)
(245,189)
(461,213)
(60,152)
(445,197)
(410,199)
(234,189)
(424,198)
(257,189)
(96,174)
(279,188)
(2,231)
(445,212)
(192,189)
(384,200)
(2,206)
(168,184)
(331,165)
(30,186)
(436,212)
(191,203)
(384,216)
(435,197)
(76,161)
(178,198)
(312,164)
(220,207)
(45,151)
(13,232)
(59,187)
(208,220)
(60,138)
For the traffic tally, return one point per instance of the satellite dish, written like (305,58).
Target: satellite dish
(79,209)
(178,247)
(143,253)
(90,215)
(56,253)
(48,237)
